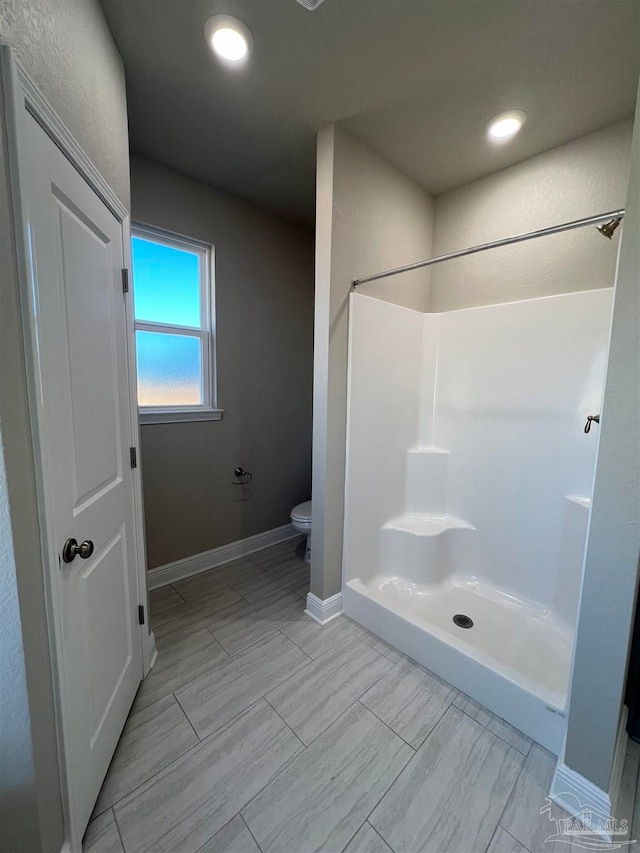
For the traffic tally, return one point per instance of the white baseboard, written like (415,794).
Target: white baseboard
(324,611)
(577,795)
(185,568)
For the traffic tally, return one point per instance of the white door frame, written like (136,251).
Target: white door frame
(20,95)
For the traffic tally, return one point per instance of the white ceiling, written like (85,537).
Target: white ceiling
(416,80)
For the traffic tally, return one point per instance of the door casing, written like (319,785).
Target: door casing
(22,96)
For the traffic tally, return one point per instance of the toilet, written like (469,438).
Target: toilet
(301,520)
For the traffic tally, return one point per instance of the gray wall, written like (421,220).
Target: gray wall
(611,564)
(583,177)
(264,324)
(369,217)
(66,47)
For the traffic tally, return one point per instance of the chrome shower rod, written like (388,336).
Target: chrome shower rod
(507,241)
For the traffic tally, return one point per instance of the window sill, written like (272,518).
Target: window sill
(180,416)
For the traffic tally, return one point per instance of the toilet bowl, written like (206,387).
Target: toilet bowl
(301,520)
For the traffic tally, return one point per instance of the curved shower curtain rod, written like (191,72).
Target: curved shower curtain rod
(519,238)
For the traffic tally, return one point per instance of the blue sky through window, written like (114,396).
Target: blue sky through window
(169,369)
(166,283)
(167,290)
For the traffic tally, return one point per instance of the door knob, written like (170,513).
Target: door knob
(71,550)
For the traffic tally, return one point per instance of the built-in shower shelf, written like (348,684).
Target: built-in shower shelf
(580,500)
(427,450)
(427,525)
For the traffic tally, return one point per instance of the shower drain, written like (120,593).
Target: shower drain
(463,621)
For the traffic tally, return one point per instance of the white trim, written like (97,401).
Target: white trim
(20,95)
(182,241)
(206,332)
(180,416)
(48,119)
(138,505)
(568,785)
(324,611)
(189,566)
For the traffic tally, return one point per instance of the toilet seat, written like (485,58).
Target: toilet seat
(302,512)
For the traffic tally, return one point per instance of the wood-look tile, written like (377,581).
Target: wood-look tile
(192,615)
(258,586)
(316,639)
(224,691)
(211,582)
(152,738)
(367,840)
(312,699)
(473,709)
(529,816)
(186,804)
(255,622)
(301,589)
(163,597)
(410,700)
(504,730)
(502,842)
(319,801)
(278,553)
(511,735)
(102,835)
(234,837)
(451,794)
(164,605)
(375,642)
(271,577)
(290,572)
(179,662)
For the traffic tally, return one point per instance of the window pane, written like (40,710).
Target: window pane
(166,283)
(169,370)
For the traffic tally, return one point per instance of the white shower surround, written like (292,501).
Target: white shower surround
(468,490)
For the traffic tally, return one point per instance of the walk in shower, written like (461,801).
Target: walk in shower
(468,489)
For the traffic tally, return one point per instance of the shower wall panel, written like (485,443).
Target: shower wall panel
(506,390)
(385,361)
(515,384)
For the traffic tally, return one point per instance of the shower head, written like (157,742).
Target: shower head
(608,228)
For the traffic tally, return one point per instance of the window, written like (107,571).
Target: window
(174,330)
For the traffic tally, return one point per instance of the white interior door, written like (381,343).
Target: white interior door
(75,248)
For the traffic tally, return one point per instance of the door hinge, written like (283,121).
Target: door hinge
(141,614)
(125,281)
(133,456)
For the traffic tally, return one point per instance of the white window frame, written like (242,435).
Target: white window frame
(208,410)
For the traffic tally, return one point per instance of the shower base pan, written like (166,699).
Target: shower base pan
(515,659)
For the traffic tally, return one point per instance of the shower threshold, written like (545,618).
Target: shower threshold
(514,658)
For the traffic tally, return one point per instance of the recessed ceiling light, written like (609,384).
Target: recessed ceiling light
(229,39)
(505,126)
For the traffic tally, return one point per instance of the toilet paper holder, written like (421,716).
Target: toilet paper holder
(240,473)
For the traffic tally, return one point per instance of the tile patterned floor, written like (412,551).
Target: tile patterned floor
(259,730)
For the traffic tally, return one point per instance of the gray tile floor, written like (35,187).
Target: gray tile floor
(259,730)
